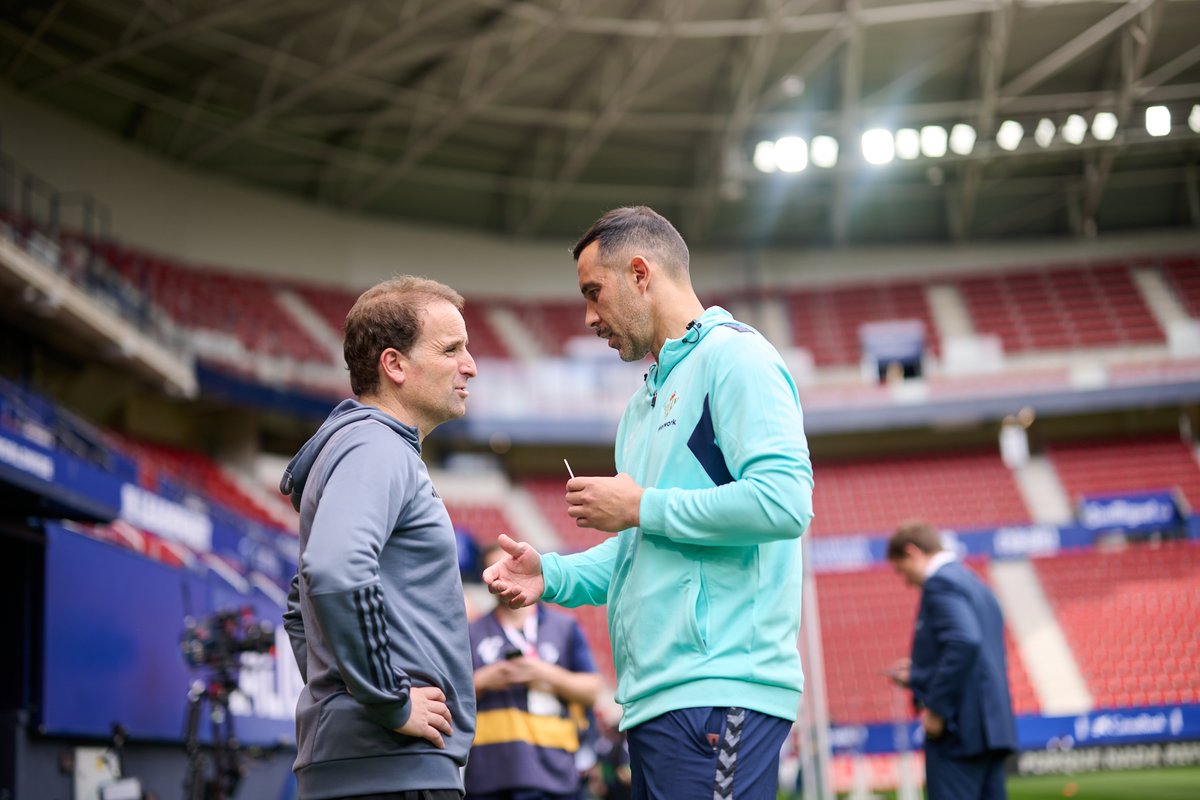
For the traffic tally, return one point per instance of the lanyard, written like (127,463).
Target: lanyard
(526,640)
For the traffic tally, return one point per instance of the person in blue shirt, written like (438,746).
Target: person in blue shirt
(713,491)
(958,670)
(535,682)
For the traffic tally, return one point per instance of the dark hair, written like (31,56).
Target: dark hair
(915,532)
(636,228)
(387,315)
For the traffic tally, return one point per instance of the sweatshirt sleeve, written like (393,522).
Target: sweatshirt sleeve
(369,483)
(580,579)
(757,427)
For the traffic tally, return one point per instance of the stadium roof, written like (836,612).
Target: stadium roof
(528,117)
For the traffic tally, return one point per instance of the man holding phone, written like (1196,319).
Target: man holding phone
(534,681)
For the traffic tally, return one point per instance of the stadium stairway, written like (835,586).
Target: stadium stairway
(311,321)
(950,313)
(493,488)
(1057,680)
(514,333)
(274,504)
(1043,493)
(1159,297)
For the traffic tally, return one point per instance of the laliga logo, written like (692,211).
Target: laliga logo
(1104,726)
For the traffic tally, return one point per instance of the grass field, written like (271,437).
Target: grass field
(1174,783)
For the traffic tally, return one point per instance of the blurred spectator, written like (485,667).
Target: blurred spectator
(534,680)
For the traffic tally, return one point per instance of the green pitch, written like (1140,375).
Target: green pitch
(1174,783)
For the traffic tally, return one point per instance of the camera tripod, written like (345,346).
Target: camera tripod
(227,767)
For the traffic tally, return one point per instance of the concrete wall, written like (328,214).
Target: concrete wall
(183,212)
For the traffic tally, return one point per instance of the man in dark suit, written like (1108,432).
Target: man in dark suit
(958,672)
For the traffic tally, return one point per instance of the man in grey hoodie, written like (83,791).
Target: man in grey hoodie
(376,614)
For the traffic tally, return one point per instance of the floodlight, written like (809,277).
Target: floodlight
(933,141)
(1008,137)
(764,156)
(1043,134)
(908,143)
(1158,120)
(824,151)
(878,146)
(1104,126)
(962,139)
(1074,129)
(791,154)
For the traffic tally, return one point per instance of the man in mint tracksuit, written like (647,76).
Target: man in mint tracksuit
(713,493)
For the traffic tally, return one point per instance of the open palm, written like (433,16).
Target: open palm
(516,578)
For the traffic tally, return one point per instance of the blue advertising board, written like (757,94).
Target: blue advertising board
(847,553)
(80,488)
(113,622)
(1141,725)
(1130,511)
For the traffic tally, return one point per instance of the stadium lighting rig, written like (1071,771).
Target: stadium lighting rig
(880,146)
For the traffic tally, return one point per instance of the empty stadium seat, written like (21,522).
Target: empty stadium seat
(866,625)
(1127,464)
(1060,307)
(957,490)
(826,320)
(159,465)
(1131,619)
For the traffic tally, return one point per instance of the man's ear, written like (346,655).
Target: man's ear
(392,366)
(642,273)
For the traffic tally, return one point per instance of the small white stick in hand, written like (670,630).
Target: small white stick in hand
(569,470)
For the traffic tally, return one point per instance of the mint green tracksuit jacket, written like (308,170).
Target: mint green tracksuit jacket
(704,595)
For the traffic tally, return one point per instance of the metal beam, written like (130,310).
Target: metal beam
(715,168)
(602,193)
(906,82)
(531,43)
(419,104)
(1136,44)
(330,75)
(755,27)
(43,25)
(1169,70)
(645,58)
(235,9)
(993,55)
(1072,50)
(852,62)
(550,142)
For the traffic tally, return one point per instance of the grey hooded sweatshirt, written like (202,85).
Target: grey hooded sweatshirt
(375,609)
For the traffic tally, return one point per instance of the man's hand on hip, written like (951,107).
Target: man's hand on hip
(429,717)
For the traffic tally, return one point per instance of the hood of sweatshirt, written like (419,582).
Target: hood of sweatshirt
(675,350)
(347,412)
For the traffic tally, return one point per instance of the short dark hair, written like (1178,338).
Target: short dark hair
(387,315)
(640,228)
(915,532)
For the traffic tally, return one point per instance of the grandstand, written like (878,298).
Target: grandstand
(179,250)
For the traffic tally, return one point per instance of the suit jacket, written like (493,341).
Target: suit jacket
(959,667)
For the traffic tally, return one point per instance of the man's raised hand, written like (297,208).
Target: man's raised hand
(517,577)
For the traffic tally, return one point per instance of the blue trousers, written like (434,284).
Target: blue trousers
(707,754)
(975,778)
